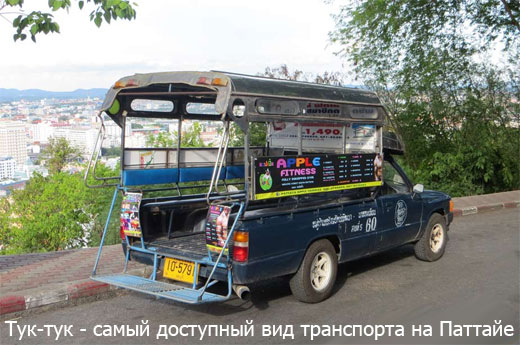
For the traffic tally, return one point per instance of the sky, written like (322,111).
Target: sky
(228,35)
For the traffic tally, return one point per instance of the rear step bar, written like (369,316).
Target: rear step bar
(170,291)
(160,289)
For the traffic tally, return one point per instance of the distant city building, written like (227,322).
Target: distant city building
(42,132)
(209,138)
(83,138)
(7,168)
(7,186)
(13,141)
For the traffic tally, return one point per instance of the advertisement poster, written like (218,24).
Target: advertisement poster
(277,177)
(130,214)
(146,158)
(217,227)
(359,137)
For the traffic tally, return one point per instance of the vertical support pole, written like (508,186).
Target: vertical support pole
(179,133)
(223,141)
(105,231)
(195,274)
(154,273)
(123,135)
(179,130)
(380,139)
(223,157)
(344,149)
(127,257)
(170,224)
(247,182)
(300,141)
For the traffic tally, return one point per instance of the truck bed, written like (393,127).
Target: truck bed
(189,246)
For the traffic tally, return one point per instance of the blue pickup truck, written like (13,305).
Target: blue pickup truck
(324,188)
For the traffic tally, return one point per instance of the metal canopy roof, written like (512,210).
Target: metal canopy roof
(240,84)
(255,85)
(169,85)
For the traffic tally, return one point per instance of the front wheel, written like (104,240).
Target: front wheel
(316,276)
(432,244)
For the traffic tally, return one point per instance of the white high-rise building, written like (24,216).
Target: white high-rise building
(7,168)
(42,132)
(13,141)
(84,139)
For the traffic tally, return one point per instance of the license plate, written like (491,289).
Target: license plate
(180,270)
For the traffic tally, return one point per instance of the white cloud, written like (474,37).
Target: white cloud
(239,36)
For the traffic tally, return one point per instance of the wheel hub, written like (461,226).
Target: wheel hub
(436,238)
(321,270)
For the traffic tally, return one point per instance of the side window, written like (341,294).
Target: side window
(393,181)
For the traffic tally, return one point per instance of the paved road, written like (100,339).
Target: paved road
(476,282)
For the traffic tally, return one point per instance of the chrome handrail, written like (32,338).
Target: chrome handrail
(95,152)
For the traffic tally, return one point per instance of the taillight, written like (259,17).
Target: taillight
(451,205)
(204,81)
(241,246)
(215,81)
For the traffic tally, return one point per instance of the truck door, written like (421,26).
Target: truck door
(359,232)
(401,210)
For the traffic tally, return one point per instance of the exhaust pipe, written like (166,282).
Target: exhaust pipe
(242,292)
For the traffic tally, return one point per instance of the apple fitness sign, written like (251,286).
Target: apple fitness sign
(277,177)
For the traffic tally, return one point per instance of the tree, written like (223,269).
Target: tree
(99,206)
(430,63)
(161,139)
(36,22)
(57,212)
(191,137)
(51,213)
(283,72)
(5,227)
(58,153)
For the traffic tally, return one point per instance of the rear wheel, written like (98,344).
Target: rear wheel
(316,276)
(432,244)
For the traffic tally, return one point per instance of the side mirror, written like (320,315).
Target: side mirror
(418,188)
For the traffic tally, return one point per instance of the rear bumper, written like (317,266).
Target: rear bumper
(147,259)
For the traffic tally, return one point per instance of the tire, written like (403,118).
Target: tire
(195,221)
(432,244)
(309,290)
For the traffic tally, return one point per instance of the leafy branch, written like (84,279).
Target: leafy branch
(37,22)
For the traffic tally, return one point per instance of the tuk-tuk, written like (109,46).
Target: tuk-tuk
(314,195)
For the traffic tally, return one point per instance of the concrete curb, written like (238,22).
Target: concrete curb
(73,293)
(466,211)
(19,303)
(59,295)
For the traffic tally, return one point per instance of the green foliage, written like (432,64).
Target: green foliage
(49,214)
(5,224)
(284,72)
(58,153)
(37,22)
(257,134)
(191,137)
(57,212)
(430,63)
(161,139)
(100,199)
